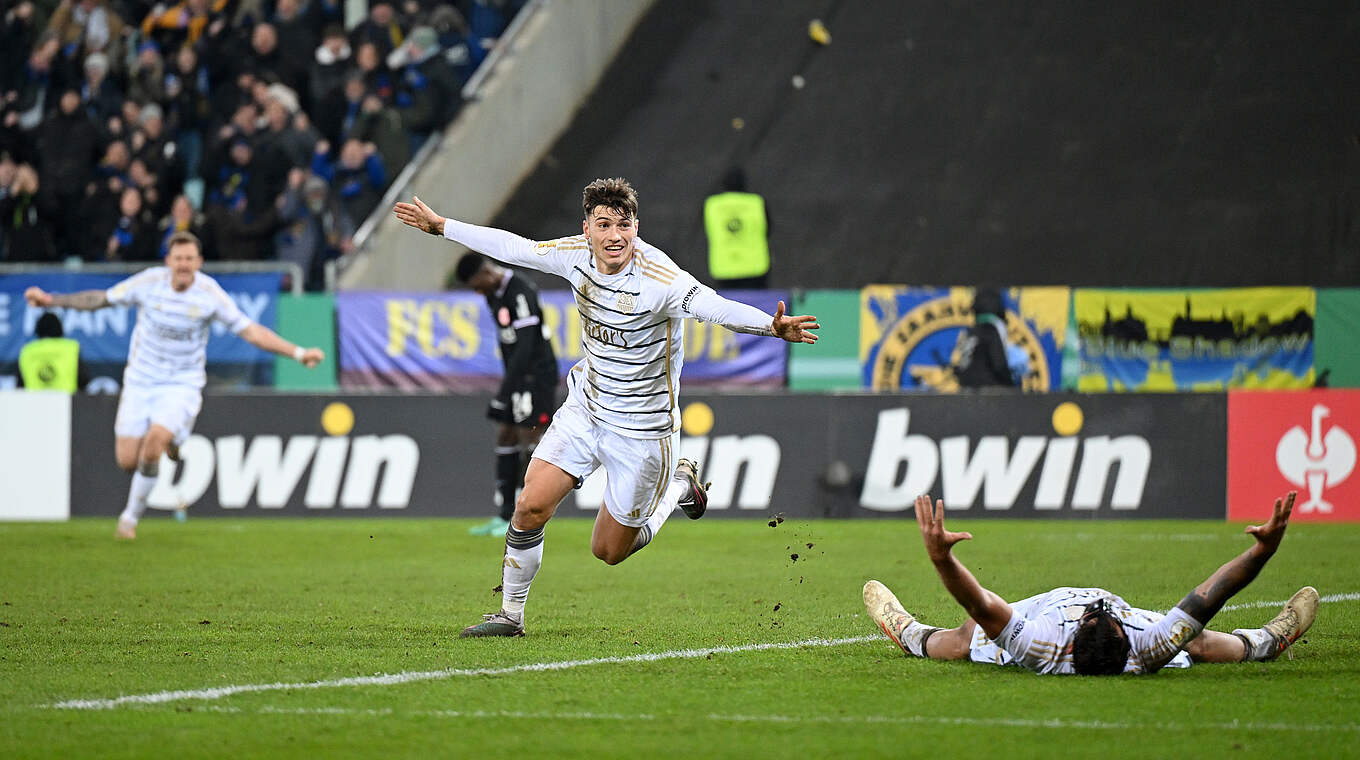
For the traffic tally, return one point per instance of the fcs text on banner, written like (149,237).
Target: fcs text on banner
(447,341)
(1197,340)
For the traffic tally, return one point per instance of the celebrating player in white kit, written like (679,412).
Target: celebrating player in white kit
(621,410)
(1089,630)
(163,381)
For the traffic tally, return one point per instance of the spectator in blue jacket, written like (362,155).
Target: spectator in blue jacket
(357,179)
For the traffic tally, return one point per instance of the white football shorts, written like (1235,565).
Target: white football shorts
(173,407)
(639,469)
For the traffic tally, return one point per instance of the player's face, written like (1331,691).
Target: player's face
(485,281)
(184,261)
(611,237)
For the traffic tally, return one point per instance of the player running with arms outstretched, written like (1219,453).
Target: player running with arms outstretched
(164,377)
(621,410)
(1089,630)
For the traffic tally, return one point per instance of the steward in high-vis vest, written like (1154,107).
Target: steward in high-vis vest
(50,361)
(737,228)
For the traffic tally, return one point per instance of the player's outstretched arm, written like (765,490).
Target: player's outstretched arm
(985,607)
(85,300)
(264,338)
(1210,596)
(706,304)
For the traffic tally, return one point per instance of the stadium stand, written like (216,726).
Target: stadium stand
(1042,143)
(260,124)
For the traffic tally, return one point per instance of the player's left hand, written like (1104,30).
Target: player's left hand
(418,215)
(312,357)
(794,329)
(1271,532)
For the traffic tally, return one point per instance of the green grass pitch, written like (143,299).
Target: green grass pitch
(275,615)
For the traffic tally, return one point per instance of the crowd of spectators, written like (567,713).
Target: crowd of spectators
(264,126)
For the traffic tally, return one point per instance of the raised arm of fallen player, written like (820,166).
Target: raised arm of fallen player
(1210,596)
(990,611)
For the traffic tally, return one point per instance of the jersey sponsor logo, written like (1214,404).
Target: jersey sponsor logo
(604,334)
(354,472)
(902,465)
(689,297)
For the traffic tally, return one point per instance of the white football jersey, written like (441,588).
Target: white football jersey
(633,326)
(1040,632)
(170,341)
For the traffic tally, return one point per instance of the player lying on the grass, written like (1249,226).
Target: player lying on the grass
(621,410)
(1089,630)
(163,382)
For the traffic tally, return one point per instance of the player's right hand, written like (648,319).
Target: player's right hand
(418,215)
(1271,532)
(939,542)
(36,296)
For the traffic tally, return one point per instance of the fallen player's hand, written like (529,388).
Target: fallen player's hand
(1270,533)
(930,517)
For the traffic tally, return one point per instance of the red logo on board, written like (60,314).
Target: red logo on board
(1301,441)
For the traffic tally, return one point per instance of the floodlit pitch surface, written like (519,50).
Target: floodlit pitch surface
(317,638)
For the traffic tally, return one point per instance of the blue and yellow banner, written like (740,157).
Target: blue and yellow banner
(1195,340)
(910,336)
(447,341)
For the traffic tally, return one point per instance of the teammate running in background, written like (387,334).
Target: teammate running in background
(621,410)
(163,381)
(527,397)
(1089,630)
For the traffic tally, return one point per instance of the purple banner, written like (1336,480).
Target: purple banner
(447,341)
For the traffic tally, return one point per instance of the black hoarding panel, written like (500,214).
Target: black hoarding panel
(1059,456)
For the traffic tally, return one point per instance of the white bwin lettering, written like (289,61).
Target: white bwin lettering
(271,470)
(998,473)
(723,464)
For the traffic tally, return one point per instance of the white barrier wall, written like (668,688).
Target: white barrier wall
(497,140)
(35,455)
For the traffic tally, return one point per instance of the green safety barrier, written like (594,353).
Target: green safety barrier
(307,320)
(1335,349)
(832,363)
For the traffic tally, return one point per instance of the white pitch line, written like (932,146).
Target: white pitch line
(390,679)
(943,720)
(386,679)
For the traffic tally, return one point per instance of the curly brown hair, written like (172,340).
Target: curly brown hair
(614,193)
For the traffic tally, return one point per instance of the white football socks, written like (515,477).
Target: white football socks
(914,637)
(1261,644)
(137,493)
(523,555)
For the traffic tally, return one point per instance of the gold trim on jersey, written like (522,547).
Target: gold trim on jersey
(662,481)
(670,389)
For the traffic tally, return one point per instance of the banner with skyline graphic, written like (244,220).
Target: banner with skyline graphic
(1195,340)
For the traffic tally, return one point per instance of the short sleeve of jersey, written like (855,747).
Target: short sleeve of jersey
(1156,644)
(225,310)
(1033,642)
(129,291)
